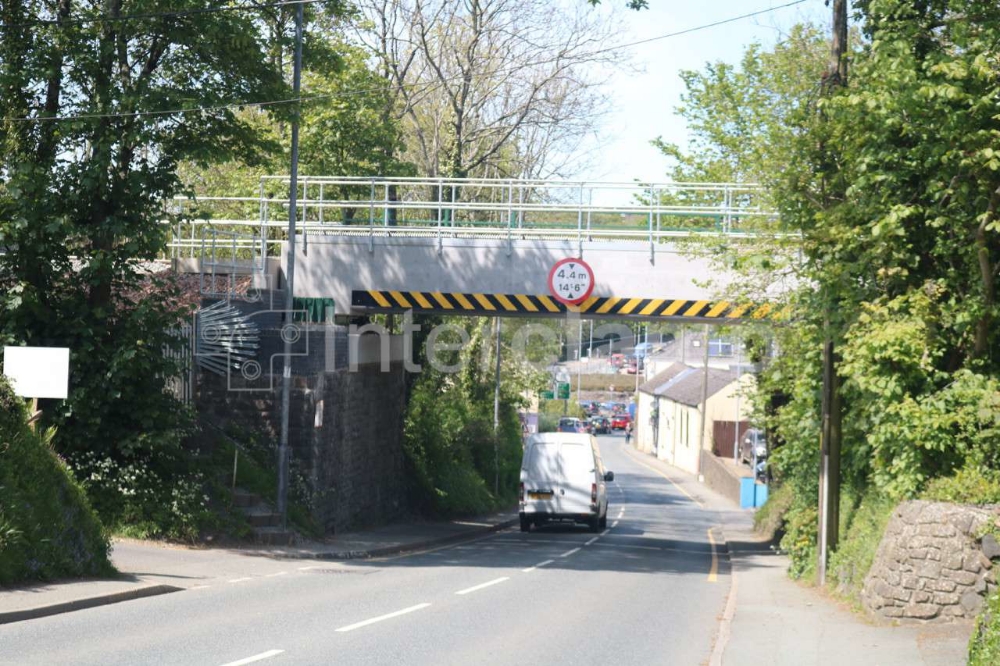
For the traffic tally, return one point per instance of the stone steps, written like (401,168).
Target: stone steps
(265,521)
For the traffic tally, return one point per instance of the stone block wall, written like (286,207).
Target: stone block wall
(930,566)
(345,436)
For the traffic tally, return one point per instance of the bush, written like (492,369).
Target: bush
(450,444)
(862,525)
(47,527)
(984,646)
(800,539)
(969,485)
(770,518)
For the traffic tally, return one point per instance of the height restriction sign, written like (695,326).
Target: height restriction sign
(571,281)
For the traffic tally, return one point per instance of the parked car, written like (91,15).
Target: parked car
(569,424)
(643,349)
(619,421)
(563,478)
(753,444)
(617,360)
(600,425)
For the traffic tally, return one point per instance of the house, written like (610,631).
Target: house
(668,419)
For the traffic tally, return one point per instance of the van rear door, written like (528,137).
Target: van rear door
(542,473)
(577,465)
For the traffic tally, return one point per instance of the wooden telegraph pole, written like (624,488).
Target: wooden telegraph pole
(830,427)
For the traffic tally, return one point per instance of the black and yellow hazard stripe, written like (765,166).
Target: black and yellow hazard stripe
(535,304)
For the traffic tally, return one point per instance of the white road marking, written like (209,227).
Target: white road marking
(604,532)
(256,657)
(240,580)
(482,585)
(540,564)
(199,587)
(569,552)
(315,566)
(561,542)
(614,524)
(621,513)
(280,573)
(591,541)
(625,545)
(387,616)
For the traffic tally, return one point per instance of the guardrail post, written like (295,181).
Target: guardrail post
(590,208)
(440,208)
(727,219)
(579,225)
(385,211)
(520,206)
(453,193)
(510,217)
(652,246)
(321,206)
(371,219)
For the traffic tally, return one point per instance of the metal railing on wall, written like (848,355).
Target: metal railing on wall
(499,209)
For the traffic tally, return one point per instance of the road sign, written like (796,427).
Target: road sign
(547,395)
(571,281)
(564,390)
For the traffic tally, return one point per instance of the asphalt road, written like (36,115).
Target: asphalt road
(648,590)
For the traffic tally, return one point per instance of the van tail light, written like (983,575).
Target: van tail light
(593,493)
(521,494)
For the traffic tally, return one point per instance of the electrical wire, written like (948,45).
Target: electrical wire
(363,91)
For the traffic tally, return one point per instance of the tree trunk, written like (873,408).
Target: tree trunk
(982,343)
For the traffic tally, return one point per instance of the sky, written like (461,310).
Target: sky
(644,103)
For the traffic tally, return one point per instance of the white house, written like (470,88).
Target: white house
(668,414)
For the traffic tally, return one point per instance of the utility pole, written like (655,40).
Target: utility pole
(287,337)
(496,415)
(704,402)
(579,357)
(830,426)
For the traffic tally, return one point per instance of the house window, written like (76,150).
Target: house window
(720,347)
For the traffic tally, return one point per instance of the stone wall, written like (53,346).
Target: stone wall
(345,435)
(722,476)
(930,566)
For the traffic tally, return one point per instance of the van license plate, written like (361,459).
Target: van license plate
(540,496)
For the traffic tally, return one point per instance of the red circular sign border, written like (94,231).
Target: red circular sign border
(590,289)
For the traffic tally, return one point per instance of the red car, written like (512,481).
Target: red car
(619,421)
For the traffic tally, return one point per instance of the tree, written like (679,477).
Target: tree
(99,103)
(891,185)
(494,87)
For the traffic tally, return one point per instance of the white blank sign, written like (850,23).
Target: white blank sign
(37,372)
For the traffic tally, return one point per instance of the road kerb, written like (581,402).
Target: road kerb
(87,602)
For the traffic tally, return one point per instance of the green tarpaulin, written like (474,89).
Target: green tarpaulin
(313,310)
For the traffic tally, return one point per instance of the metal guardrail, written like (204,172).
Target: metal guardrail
(499,209)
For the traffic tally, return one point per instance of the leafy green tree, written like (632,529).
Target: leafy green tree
(891,187)
(99,103)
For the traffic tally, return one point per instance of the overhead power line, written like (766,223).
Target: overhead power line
(699,27)
(362,91)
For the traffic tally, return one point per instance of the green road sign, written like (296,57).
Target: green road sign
(564,390)
(547,395)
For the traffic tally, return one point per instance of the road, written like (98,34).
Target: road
(648,590)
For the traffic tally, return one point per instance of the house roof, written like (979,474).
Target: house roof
(661,378)
(683,384)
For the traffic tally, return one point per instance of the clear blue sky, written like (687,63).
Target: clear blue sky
(644,103)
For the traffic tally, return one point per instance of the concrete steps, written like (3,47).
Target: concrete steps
(263,519)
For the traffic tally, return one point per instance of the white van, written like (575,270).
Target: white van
(563,478)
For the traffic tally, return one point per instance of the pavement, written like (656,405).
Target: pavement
(773,620)
(679,577)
